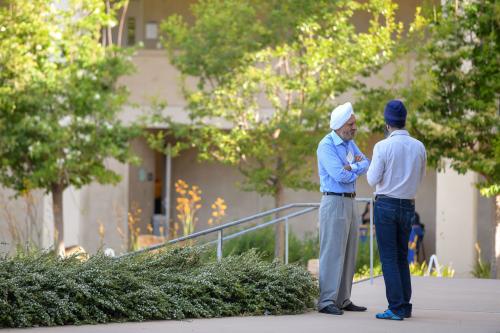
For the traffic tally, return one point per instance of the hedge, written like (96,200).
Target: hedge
(42,290)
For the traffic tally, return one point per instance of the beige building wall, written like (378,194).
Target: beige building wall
(73,216)
(141,184)
(456,220)
(107,205)
(21,219)
(463,218)
(216,180)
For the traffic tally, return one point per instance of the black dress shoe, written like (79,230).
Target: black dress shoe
(331,309)
(352,307)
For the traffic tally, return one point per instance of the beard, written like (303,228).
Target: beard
(348,135)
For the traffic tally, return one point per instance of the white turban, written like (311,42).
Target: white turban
(340,115)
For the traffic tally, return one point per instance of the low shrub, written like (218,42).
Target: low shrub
(299,251)
(363,257)
(261,239)
(42,290)
(482,270)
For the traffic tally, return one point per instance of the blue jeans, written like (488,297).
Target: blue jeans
(393,225)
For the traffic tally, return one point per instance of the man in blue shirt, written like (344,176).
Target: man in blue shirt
(340,163)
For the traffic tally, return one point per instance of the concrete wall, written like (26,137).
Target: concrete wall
(154,77)
(21,219)
(151,11)
(216,180)
(106,204)
(84,210)
(141,184)
(456,220)
(73,216)
(463,218)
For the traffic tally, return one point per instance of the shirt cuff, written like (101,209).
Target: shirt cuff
(354,167)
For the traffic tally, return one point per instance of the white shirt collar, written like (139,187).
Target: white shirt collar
(399,132)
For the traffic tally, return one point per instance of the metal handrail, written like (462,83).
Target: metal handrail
(433,261)
(221,227)
(308,207)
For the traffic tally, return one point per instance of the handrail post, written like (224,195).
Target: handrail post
(219,245)
(433,260)
(286,241)
(372,208)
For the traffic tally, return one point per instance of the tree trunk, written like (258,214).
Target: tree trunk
(495,251)
(122,24)
(279,240)
(57,209)
(108,28)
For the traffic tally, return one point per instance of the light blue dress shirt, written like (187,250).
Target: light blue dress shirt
(333,154)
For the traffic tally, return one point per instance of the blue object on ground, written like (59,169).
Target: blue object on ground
(389,315)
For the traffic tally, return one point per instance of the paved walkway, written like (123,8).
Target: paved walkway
(439,305)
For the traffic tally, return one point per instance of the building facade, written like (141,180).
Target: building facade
(456,217)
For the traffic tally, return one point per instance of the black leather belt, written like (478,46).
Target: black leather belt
(348,195)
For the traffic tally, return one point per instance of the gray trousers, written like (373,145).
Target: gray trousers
(338,233)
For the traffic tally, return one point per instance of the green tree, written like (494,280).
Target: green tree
(456,90)
(224,31)
(59,99)
(270,93)
(461,120)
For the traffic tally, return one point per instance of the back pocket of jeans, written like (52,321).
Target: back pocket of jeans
(384,214)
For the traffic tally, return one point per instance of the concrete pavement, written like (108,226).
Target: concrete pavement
(439,305)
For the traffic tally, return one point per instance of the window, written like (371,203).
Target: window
(131,31)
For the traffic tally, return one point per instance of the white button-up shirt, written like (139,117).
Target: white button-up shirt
(398,166)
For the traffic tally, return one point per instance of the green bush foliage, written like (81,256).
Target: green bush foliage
(42,290)
(363,260)
(300,249)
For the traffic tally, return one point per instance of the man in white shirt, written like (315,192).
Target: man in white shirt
(396,171)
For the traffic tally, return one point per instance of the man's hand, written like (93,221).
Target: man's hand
(347,167)
(358,158)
